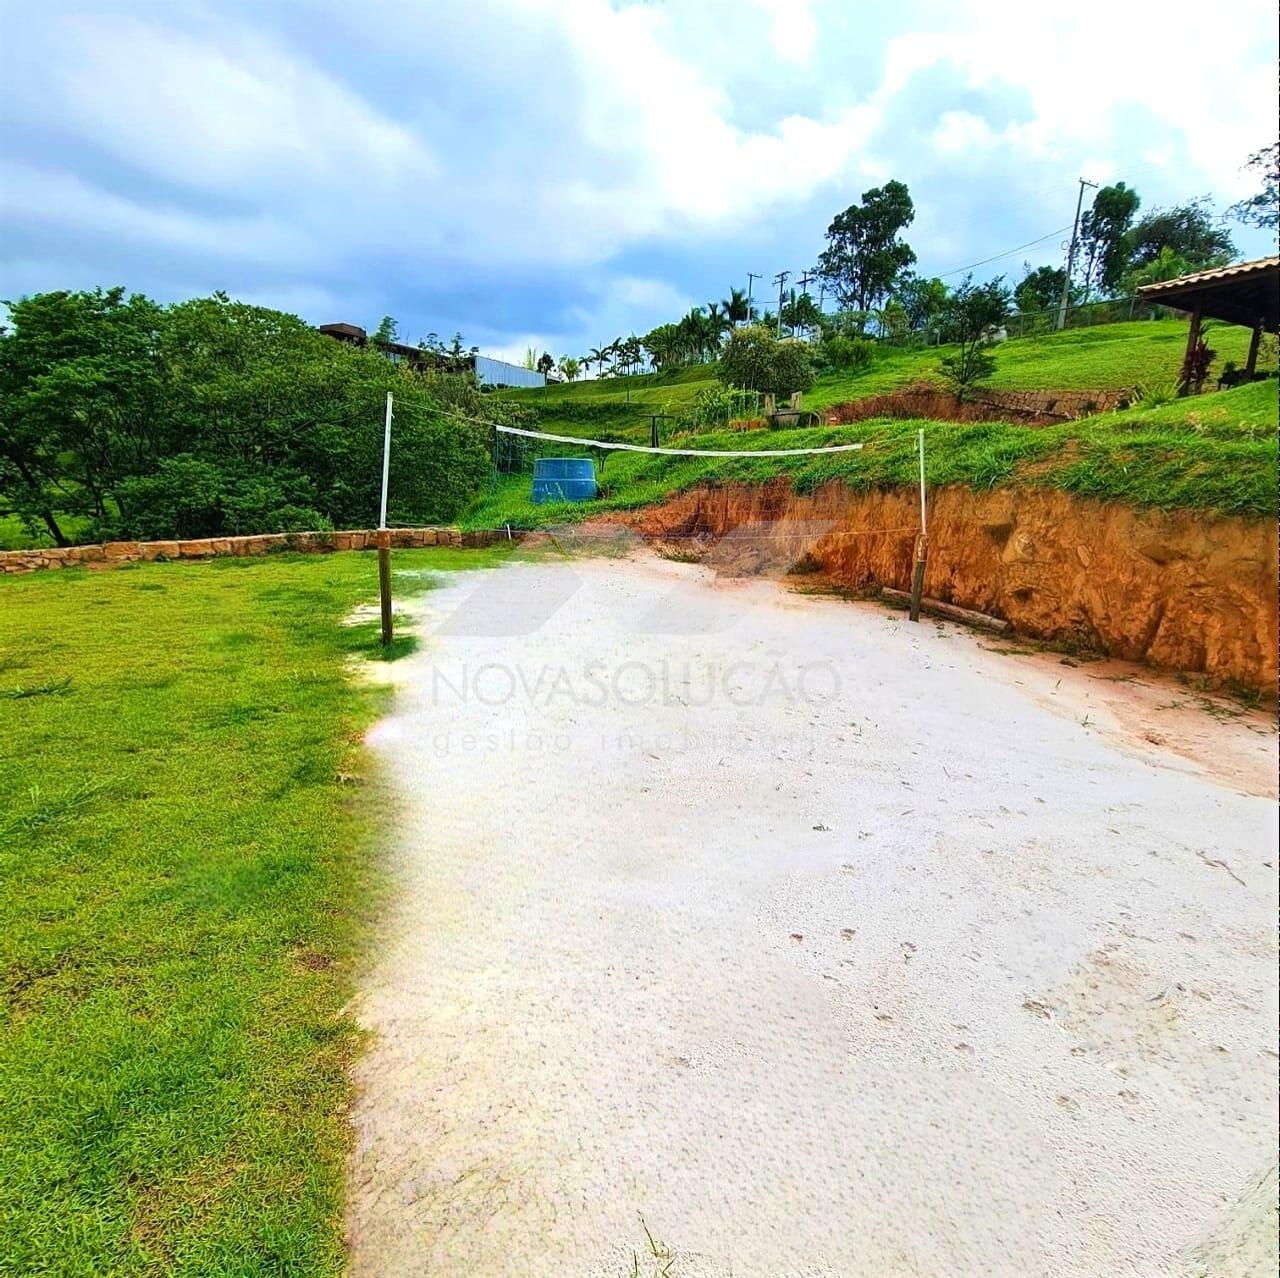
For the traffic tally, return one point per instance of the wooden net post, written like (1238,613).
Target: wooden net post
(384,582)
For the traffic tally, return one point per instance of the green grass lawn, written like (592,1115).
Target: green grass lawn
(1215,452)
(188,856)
(1105,357)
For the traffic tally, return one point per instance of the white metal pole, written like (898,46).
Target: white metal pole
(386,464)
(920,441)
(922,543)
(384,537)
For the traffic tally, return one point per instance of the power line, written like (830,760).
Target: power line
(1007,253)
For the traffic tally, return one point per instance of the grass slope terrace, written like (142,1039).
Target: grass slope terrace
(1215,453)
(1106,357)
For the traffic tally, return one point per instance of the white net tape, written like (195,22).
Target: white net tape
(678,452)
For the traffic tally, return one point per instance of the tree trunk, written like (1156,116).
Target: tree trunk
(59,538)
(45,512)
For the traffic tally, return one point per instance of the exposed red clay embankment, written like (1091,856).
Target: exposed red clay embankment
(1186,590)
(935,403)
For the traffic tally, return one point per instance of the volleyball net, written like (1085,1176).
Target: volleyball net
(592,495)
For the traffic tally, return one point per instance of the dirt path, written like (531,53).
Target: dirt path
(824,943)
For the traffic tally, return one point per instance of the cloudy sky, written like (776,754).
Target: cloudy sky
(560,172)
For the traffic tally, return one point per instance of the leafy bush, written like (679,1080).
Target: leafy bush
(188,497)
(212,417)
(973,311)
(755,359)
(841,353)
(716,405)
(1154,394)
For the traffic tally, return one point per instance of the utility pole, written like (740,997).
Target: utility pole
(752,276)
(1071,255)
(780,280)
(804,281)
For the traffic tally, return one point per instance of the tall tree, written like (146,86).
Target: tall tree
(717,324)
(1189,230)
(865,255)
(545,363)
(697,334)
(736,307)
(1103,238)
(82,399)
(1263,209)
(663,345)
(632,353)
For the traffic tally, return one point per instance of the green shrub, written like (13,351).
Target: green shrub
(1154,394)
(842,353)
(212,417)
(755,359)
(717,405)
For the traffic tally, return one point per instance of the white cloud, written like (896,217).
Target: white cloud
(960,131)
(420,151)
(60,200)
(794,30)
(210,113)
(1206,72)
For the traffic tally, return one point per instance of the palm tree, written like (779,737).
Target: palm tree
(699,333)
(596,356)
(736,307)
(569,366)
(717,324)
(663,345)
(692,335)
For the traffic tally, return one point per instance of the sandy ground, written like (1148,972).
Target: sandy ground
(812,942)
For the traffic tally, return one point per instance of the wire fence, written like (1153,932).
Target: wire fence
(1115,310)
(1112,310)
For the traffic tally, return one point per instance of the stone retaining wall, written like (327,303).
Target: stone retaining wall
(110,553)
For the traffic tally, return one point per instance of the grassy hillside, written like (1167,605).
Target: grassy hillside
(1216,452)
(1108,357)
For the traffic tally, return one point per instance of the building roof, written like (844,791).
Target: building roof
(352,331)
(1241,294)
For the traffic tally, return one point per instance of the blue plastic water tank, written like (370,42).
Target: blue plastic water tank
(563,479)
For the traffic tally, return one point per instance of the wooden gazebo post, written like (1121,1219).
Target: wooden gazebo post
(1251,364)
(1193,338)
(1247,294)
